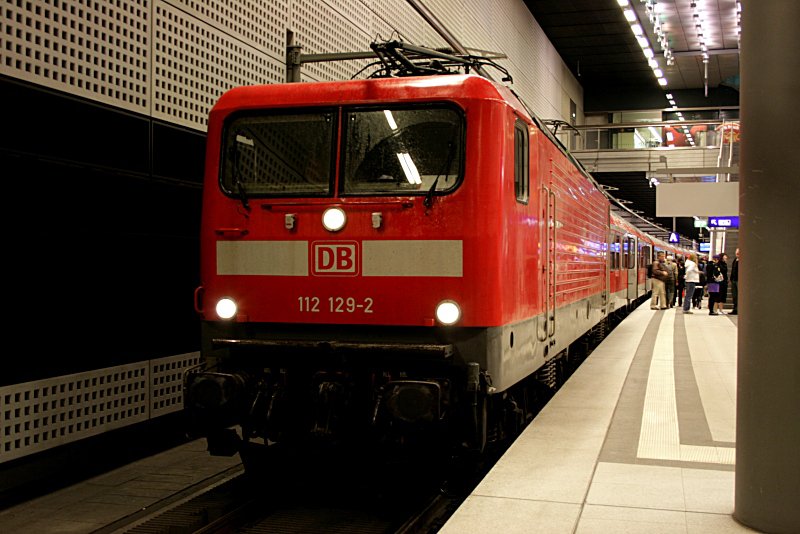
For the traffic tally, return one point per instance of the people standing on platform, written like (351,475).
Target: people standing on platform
(670,283)
(692,278)
(681,285)
(660,275)
(700,288)
(723,284)
(713,278)
(735,284)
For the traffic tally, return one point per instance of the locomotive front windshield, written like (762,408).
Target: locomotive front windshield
(386,151)
(284,154)
(401,151)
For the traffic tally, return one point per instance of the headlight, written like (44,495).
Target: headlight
(333,219)
(448,312)
(226,308)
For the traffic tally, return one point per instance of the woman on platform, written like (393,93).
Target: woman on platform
(713,278)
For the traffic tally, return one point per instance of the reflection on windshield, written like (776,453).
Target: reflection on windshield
(280,154)
(401,151)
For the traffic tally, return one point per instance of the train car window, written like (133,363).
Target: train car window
(626,254)
(630,261)
(614,256)
(402,151)
(279,154)
(521,158)
(646,256)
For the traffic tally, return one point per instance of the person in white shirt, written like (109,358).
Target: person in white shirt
(692,278)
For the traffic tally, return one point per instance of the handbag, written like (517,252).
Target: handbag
(713,287)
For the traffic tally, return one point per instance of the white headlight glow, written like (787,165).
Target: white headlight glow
(334,219)
(226,308)
(448,312)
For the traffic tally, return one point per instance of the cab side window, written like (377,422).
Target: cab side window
(521,155)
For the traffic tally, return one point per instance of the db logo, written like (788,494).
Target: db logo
(334,258)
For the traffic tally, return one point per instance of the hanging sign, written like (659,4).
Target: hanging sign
(723,222)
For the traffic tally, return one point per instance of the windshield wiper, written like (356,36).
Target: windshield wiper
(428,202)
(242,194)
(237,180)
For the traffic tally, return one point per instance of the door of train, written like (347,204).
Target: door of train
(631,263)
(547,205)
(607,275)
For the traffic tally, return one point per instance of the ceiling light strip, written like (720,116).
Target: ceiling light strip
(633,19)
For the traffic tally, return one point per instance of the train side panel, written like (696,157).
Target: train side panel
(580,227)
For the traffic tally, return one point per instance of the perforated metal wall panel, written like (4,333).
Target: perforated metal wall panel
(257,23)
(171,59)
(166,382)
(322,28)
(36,416)
(393,19)
(97,50)
(195,63)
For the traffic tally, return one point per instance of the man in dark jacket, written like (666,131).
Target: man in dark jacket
(735,284)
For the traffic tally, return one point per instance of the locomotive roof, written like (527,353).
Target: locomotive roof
(370,91)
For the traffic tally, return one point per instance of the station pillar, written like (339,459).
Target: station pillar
(768,374)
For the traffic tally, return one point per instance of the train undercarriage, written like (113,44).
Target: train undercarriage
(388,397)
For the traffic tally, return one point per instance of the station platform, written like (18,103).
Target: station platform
(94,504)
(641,439)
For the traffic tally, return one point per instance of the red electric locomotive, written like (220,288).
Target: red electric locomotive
(392,259)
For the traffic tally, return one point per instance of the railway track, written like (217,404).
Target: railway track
(312,492)
(394,497)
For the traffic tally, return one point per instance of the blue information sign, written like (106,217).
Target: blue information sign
(705,247)
(723,222)
(674,237)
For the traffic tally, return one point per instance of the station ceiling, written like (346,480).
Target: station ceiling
(598,45)
(597,41)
